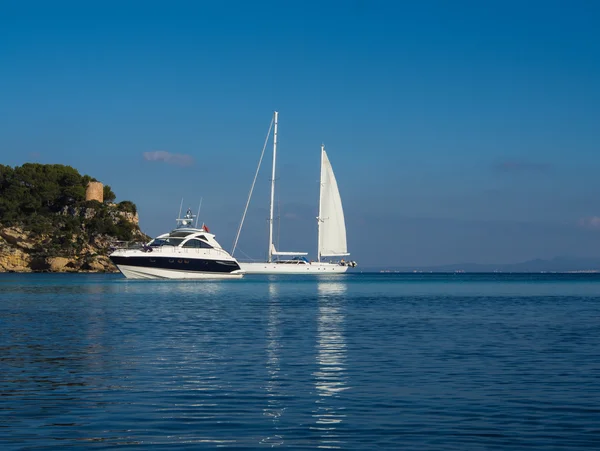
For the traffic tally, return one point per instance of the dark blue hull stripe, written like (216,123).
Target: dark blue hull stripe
(178,264)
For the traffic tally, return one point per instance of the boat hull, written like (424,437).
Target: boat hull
(141,272)
(138,265)
(282,268)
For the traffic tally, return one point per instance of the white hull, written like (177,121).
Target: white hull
(283,268)
(140,272)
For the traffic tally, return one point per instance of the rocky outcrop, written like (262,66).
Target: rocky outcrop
(14,259)
(59,264)
(16,236)
(22,250)
(88,213)
(129,217)
(99,263)
(52,218)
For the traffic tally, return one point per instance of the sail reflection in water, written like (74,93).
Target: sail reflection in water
(275,407)
(330,377)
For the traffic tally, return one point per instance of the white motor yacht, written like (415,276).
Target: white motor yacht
(184,253)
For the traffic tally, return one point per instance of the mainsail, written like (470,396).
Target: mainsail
(332,227)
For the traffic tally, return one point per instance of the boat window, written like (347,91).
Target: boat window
(180,234)
(197,244)
(193,243)
(157,242)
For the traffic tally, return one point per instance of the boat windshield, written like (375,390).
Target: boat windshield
(180,234)
(157,242)
(198,244)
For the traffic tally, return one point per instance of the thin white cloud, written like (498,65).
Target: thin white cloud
(169,158)
(513,166)
(592,222)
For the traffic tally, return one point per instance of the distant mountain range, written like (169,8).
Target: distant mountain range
(557,264)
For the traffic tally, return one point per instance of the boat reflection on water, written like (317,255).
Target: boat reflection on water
(173,287)
(330,378)
(275,406)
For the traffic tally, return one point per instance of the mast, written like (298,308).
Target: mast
(319,219)
(270,254)
(262,154)
(198,215)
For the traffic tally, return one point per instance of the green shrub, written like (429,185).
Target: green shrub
(108,194)
(127,206)
(41,198)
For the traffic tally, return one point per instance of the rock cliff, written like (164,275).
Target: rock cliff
(49,222)
(24,250)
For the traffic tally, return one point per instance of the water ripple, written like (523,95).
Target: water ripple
(350,362)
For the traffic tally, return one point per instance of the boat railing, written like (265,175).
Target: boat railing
(117,245)
(166,248)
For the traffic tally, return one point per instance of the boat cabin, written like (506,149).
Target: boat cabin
(186,238)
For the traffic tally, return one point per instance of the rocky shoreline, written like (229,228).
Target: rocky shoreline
(52,219)
(23,251)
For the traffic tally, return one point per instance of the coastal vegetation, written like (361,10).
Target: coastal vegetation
(44,213)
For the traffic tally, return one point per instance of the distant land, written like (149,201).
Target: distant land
(556,264)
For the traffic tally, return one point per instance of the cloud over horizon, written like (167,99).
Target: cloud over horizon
(169,158)
(592,222)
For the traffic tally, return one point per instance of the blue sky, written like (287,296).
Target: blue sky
(458,130)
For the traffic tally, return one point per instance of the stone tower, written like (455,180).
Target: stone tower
(95,191)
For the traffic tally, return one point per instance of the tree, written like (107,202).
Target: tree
(50,200)
(108,194)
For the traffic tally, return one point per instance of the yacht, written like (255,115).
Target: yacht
(186,252)
(331,227)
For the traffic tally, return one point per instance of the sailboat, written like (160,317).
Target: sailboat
(331,230)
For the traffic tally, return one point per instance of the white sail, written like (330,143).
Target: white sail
(332,227)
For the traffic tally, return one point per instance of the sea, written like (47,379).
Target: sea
(354,362)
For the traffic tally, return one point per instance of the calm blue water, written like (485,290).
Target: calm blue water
(431,362)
